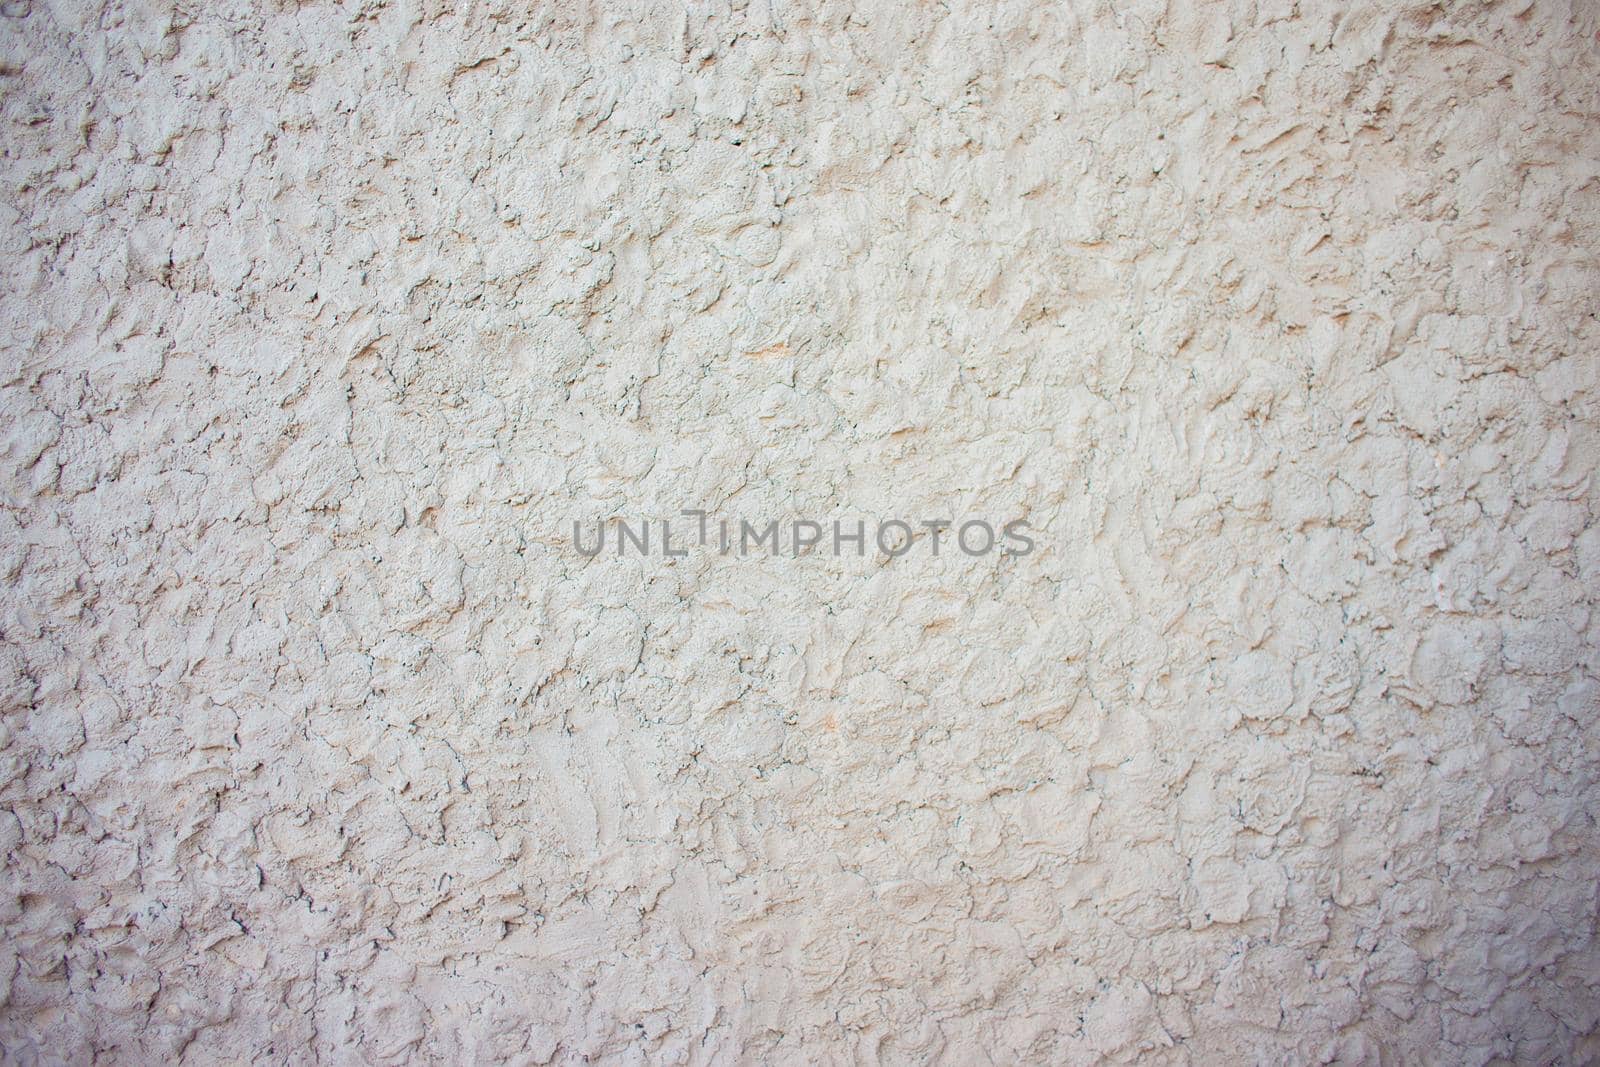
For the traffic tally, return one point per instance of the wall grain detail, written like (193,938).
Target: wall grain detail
(322,324)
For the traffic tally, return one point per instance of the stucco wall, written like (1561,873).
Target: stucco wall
(323,324)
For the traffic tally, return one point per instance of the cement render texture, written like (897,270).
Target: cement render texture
(320,324)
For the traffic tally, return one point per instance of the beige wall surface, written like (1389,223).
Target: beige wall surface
(322,324)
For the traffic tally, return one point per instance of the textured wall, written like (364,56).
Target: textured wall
(322,324)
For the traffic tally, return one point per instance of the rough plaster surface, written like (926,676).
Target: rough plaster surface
(321,324)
